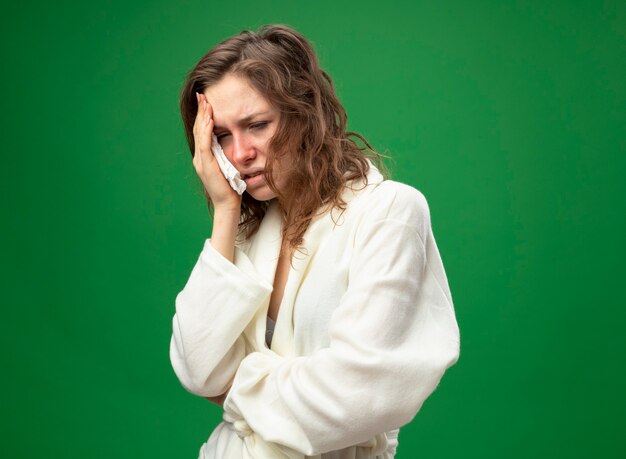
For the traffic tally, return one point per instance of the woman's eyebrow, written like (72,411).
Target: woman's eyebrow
(245,119)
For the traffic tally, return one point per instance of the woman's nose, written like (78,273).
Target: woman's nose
(243,150)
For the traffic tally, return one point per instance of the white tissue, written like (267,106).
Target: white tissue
(229,171)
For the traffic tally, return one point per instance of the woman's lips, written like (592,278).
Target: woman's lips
(254,179)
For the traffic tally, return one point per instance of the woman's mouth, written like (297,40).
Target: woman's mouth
(254,178)
(254,174)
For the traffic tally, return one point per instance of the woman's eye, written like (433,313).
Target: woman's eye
(259,125)
(221,136)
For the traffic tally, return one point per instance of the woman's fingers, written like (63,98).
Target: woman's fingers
(199,134)
(202,134)
(209,109)
(216,186)
(206,130)
(199,115)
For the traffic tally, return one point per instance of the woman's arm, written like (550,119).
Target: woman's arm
(206,345)
(218,301)
(225,224)
(391,339)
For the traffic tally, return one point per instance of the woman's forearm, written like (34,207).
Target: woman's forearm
(225,223)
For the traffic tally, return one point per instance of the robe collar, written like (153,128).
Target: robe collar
(264,251)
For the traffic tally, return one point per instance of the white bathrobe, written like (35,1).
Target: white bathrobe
(366,329)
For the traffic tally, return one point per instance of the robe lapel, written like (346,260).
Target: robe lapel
(283,339)
(264,253)
(265,248)
(318,231)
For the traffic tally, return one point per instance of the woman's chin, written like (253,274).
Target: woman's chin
(262,194)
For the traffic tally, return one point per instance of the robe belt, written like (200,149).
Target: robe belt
(378,445)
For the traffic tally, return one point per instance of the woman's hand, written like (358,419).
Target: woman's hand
(219,190)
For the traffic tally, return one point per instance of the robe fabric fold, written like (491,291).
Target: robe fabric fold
(365,331)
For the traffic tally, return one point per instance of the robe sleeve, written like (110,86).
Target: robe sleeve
(392,337)
(212,310)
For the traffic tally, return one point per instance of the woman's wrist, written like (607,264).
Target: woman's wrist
(225,225)
(228,208)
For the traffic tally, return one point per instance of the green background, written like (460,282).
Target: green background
(508,116)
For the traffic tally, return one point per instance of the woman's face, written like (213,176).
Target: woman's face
(244,123)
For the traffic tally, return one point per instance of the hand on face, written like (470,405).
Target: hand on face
(217,187)
(245,122)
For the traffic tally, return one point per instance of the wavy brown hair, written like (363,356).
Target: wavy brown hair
(321,158)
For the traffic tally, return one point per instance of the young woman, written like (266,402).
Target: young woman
(318,313)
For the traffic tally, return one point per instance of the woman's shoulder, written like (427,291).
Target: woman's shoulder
(397,195)
(394,202)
